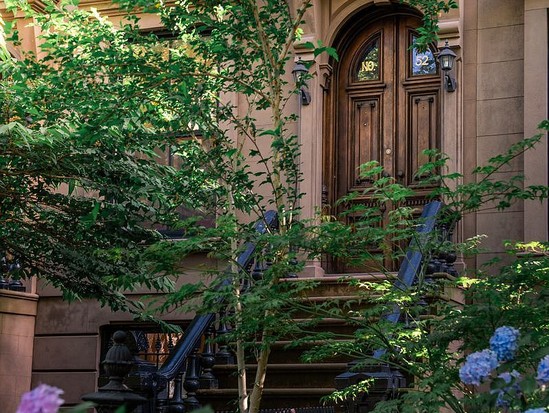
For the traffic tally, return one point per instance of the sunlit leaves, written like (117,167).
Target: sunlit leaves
(431,9)
(77,242)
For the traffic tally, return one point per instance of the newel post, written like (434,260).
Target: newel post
(118,363)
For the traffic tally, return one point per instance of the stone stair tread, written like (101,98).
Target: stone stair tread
(281,343)
(342,278)
(358,275)
(290,382)
(288,366)
(323,298)
(375,275)
(326,320)
(293,391)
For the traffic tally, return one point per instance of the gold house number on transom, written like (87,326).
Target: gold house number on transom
(368,67)
(422,62)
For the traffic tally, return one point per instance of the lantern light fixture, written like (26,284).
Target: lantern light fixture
(299,72)
(446,59)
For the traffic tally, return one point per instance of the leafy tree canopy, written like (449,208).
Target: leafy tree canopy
(85,122)
(90,114)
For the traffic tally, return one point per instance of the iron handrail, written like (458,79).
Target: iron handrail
(410,267)
(391,379)
(201,322)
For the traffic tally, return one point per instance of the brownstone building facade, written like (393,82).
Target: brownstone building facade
(391,109)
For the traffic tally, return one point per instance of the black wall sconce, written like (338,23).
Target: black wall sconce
(447,58)
(300,71)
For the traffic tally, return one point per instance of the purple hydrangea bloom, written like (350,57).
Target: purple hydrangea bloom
(512,390)
(504,342)
(543,370)
(42,399)
(478,366)
(538,410)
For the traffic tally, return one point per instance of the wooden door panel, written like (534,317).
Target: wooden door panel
(422,134)
(365,140)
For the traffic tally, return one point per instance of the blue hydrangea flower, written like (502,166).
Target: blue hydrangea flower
(512,391)
(504,342)
(42,399)
(543,370)
(478,366)
(538,410)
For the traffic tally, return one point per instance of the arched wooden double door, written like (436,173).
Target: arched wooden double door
(385,108)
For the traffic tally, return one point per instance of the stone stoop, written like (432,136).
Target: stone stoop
(290,383)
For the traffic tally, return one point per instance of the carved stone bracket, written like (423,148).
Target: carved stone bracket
(449,30)
(326,71)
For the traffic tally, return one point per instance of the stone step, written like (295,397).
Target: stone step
(224,399)
(291,383)
(285,375)
(336,285)
(344,327)
(285,352)
(344,286)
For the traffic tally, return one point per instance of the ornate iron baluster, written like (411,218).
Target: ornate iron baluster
(192,383)
(177,404)
(10,265)
(223,354)
(450,260)
(157,348)
(161,405)
(259,268)
(207,360)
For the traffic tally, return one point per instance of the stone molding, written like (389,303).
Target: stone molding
(14,302)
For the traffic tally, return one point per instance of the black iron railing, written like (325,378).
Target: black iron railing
(188,365)
(184,368)
(422,258)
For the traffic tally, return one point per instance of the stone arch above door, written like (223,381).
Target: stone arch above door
(342,15)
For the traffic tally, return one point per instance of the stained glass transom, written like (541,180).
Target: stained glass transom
(423,63)
(368,66)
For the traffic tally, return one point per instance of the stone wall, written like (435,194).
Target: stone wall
(17,321)
(493,107)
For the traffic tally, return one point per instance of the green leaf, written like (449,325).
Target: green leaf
(528,384)
(81,408)
(89,219)
(72,185)
(121,409)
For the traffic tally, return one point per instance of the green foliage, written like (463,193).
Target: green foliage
(436,333)
(81,408)
(91,115)
(513,297)
(83,126)
(105,101)
(488,189)
(431,11)
(90,247)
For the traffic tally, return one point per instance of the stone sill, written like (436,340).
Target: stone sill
(15,302)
